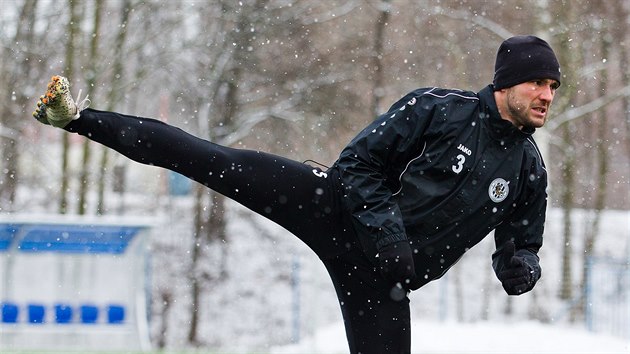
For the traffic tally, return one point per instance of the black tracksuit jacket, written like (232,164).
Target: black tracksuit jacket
(442,170)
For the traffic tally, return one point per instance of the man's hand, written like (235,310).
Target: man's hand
(396,264)
(517,277)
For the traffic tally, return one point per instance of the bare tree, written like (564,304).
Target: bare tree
(84,176)
(566,52)
(243,96)
(377,55)
(73,31)
(114,96)
(11,101)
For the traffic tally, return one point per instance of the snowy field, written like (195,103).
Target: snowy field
(324,333)
(477,338)
(455,338)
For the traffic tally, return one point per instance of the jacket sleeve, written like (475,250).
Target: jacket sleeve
(370,163)
(526,225)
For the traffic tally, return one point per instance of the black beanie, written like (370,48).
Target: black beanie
(524,58)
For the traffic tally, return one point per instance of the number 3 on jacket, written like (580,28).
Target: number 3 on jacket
(457,168)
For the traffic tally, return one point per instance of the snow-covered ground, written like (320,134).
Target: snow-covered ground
(477,338)
(441,324)
(253,312)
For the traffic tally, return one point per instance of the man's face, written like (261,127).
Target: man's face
(527,104)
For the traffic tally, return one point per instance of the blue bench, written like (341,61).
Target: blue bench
(115,314)
(10,312)
(63,313)
(36,313)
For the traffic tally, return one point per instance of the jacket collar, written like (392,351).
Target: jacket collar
(499,128)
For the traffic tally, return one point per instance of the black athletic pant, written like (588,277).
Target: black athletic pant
(304,200)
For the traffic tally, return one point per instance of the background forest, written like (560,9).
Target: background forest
(297,78)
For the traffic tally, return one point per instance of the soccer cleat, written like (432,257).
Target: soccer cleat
(56,107)
(40,112)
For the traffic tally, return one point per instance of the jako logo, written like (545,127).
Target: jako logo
(464,149)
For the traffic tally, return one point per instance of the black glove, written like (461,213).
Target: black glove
(517,276)
(396,264)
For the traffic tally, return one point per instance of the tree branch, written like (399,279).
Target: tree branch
(582,111)
(482,21)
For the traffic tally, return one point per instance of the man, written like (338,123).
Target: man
(406,199)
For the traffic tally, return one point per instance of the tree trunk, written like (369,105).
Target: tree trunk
(84,177)
(592,229)
(9,142)
(213,228)
(166,298)
(200,227)
(626,107)
(566,200)
(489,280)
(568,53)
(377,57)
(113,99)
(73,28)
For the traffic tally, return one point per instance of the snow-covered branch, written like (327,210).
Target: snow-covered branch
(582,111)
(482,21)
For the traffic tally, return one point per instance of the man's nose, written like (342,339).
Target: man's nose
(547,93)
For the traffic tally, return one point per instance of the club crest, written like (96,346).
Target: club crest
(498,190)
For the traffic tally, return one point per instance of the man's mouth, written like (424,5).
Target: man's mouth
(541,110)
